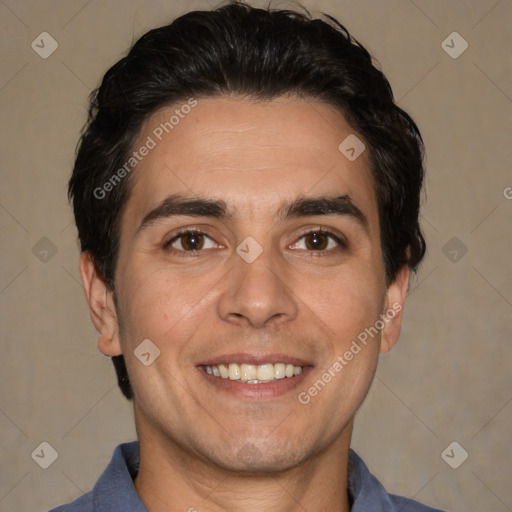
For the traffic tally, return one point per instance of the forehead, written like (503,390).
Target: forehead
(254,155)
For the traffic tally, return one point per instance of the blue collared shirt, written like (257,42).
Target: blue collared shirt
(115,491)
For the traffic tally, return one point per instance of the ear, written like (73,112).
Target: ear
(393,311)
(101,307)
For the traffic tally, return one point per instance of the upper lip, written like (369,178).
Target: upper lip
(255,359)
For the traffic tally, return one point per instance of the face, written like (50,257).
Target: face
(275,265)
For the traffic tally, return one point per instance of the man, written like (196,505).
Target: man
(246,194)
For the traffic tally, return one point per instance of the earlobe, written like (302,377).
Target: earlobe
(101,307)
(393,312)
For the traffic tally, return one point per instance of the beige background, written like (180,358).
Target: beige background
(448,379)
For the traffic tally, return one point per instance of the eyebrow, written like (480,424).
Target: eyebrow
(303,206)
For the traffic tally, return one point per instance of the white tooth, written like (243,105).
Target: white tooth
(280,370)
(265,372)
(234,371)
(253,374)
(248,372)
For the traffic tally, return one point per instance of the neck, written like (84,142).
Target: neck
(173,478)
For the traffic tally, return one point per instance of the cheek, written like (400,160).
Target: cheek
(347,303)
(164,305)
(156,306)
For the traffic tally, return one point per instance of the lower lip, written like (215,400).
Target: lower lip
(266,390)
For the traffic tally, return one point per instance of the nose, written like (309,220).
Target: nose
(257,294)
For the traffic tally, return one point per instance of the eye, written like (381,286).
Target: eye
(320,240)
(189,241)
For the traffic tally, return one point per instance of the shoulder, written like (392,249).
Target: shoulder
(84,503)
(114,491)
(403,504)
(369,494)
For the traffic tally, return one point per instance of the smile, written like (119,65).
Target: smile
(253,374)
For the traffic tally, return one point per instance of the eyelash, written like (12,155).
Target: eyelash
(342,245)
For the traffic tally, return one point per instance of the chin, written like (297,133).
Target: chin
(254,460)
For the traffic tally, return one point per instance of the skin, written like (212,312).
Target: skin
(206,449)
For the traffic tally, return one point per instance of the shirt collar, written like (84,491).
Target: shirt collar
(366,491)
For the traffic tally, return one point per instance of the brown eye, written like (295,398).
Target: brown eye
(320,241)
(316,241)
(192,241)
(189,241)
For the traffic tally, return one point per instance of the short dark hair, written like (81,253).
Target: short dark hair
(255,53)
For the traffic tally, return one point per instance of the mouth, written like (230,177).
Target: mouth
(253,374)
(258,377)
